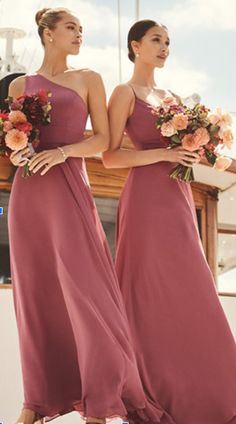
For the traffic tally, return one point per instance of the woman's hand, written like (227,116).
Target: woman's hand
(20,158)
(45,159)
(182,156)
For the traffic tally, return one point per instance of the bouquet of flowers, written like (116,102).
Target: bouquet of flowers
(196,130)
(19,127)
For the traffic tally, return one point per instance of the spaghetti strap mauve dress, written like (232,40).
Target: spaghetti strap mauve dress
(185,350)
(74,338)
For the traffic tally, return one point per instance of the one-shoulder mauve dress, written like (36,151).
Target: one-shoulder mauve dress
(74,337)
(184,347)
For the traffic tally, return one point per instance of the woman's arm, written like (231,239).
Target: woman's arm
(120,108)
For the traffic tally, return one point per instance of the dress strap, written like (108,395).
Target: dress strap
(132,88)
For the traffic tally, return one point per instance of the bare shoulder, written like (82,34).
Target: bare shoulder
(17,86)
(82,74)
(90,76)
(123,92)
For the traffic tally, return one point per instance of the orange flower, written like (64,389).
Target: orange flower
(201,136)
(167,129)
(180,121)
(192,142)
(17,117)
(16,140)
(189,143)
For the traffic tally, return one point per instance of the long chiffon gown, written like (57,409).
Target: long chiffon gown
(185,350)
(73,332)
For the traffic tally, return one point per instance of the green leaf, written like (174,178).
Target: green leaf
(211,157)
(213,129)
(175,138)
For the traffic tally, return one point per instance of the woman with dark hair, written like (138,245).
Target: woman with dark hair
(185,351)
(74,338)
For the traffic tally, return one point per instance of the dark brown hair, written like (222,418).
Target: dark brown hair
(48,18)
(137,31)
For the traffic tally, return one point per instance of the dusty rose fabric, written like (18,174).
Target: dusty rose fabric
(73,331)
(185,350)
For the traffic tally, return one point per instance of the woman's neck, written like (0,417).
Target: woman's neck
(54,64)
(143,75)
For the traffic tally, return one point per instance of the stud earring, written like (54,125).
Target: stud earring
(51,40)
(136,54)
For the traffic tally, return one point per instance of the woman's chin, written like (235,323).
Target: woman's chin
(74,51)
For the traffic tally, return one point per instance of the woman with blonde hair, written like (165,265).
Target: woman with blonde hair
(75,343)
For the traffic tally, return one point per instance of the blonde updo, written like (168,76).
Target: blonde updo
(48,18)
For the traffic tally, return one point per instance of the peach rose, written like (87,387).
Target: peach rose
(167,102)
(7,126)
(16,140)
(17,117)
(222,163)
(214,119)
(189,143)
(167,129)
(201,136)
(227,137)
(180,121)
(225,118)
(220,118)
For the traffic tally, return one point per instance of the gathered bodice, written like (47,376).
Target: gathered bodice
(68,114)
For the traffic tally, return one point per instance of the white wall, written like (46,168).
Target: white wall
(229,305)
(10,372)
